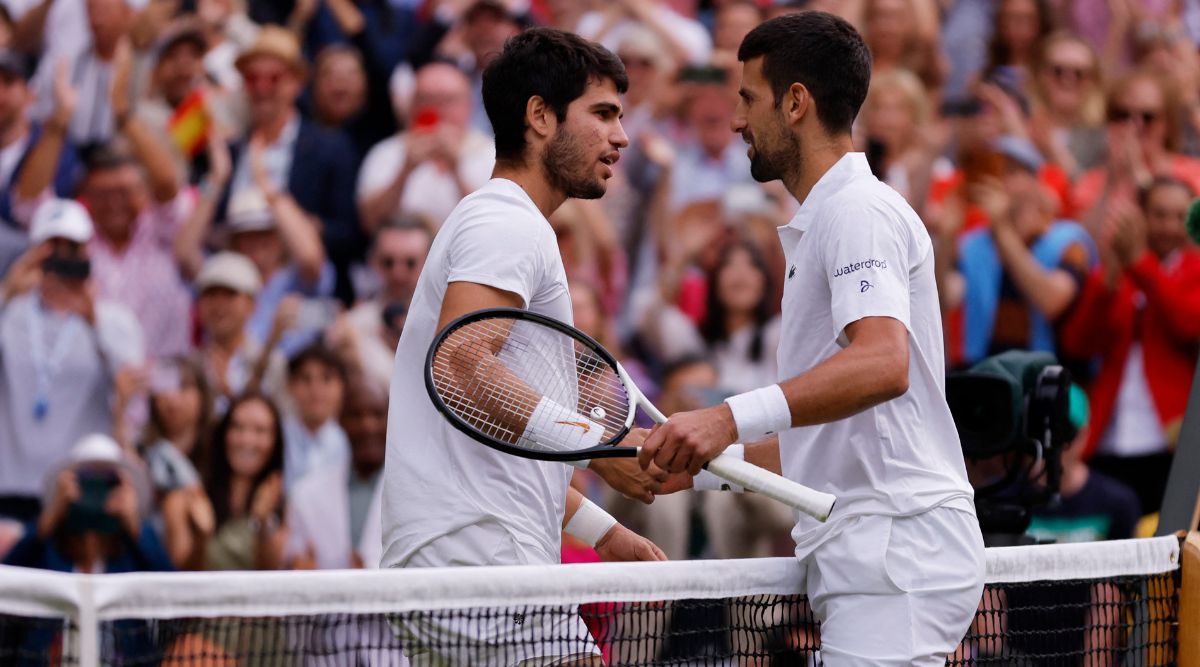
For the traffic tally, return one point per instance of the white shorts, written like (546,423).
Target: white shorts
(897,590)
(540,636)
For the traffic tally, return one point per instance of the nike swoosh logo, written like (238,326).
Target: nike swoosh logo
(583,425)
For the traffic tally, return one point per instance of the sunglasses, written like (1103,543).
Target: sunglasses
(1124,115)
(409,263)
(1069,73)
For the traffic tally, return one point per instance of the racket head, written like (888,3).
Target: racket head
(552,358)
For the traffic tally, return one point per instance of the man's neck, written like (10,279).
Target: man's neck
(312,425)
(15,131)
(272,129)
(814,163)
(229,345)
(533,181)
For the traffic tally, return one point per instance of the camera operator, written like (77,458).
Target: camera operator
(61,354)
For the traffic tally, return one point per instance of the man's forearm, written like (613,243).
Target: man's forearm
(1050,291)
(765,455)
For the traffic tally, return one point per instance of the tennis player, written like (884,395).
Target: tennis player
(896,573)
(554,103)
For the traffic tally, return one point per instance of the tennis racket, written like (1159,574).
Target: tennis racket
(532,386)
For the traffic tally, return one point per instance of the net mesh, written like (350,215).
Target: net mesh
(493,373)
(1117,613)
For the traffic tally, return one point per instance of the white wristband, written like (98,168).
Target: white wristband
(760,413)
(589,523)
(706,481)
(555,428)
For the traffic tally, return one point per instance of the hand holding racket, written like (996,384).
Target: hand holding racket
(532,386)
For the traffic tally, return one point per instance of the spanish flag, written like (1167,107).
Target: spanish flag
(188,126)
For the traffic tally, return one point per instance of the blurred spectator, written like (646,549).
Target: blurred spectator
(175,448)
(228,30)
(590,250)
(339,95)
(1068,121)
(18,135)
(1020,27)
(93,521)
(91,65)
(897,119)
(1140,314)
(137,205)
(176,438)
(60,352)
(904,34)
(245,484)
(286,249)
(1143,140)
(334,514)
(437,161)
(396,258)
(741,323)
(1092,505)
(708,160)
(732,22)
(685,38)
(290,159)
(234,362)
(966,27)
(313,439)
(1021,274)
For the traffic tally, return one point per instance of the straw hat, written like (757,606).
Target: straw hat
(275,42)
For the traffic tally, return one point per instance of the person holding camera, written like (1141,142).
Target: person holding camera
(61,351)
(95,503)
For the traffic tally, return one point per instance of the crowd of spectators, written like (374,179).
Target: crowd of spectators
(213,214)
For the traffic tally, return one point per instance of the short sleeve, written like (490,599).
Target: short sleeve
(499,246)
(120,336)
(865,254)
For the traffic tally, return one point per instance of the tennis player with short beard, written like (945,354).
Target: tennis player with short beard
(860,411)
(554,103)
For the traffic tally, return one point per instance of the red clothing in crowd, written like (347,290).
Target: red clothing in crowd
(1105,324)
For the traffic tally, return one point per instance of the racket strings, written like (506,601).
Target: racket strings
(492,373)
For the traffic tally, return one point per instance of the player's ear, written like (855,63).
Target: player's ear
(796,102)
(540,117)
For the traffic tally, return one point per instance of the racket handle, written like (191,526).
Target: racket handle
(813,503)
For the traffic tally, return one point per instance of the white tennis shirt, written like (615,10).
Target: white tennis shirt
(856,249)
(437,480)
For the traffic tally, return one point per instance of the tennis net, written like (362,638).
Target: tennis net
(1087,604)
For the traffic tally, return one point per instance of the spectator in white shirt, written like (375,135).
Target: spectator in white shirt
(60,352)
(437,161)
(313,439)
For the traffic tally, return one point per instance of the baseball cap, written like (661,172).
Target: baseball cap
(249,212)
(61,218)
(1020,150)
(15,63)
(231,271)
(186,31)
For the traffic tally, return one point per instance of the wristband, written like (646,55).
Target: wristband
(556,428)
(589,523)
(706,481)
(760,413)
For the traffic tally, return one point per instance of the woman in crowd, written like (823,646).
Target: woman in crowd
(896,118)
(1020,26)
(1140,315)
(245,482)
(1068,119)
(1144,137)
(904,34)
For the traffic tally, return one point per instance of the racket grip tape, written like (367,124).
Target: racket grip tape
(813,503)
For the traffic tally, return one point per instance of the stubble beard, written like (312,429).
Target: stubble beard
(569,170)
(775,158)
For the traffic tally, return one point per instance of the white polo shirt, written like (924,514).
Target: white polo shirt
(856,249)
(437,480)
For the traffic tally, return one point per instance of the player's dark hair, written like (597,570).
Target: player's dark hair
(822,52)
(554,65)
(220,474)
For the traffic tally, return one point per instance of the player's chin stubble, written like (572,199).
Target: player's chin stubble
(569,168)
(765,166)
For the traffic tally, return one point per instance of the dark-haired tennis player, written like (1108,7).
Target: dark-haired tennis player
(896,574)
(553,99)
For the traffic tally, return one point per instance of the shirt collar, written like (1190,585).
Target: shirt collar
(841,173)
